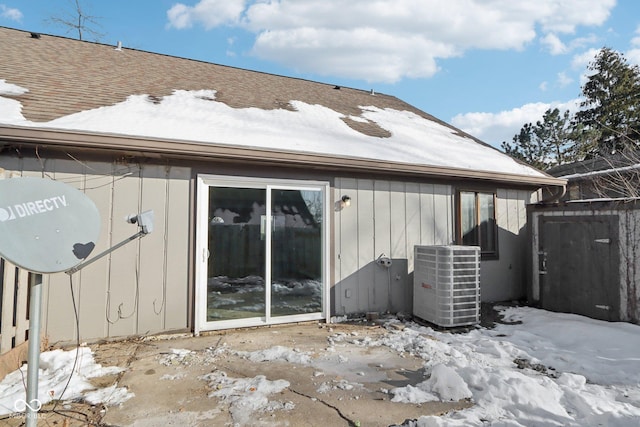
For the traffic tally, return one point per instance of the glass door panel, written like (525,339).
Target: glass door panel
(236,274)
(296,251)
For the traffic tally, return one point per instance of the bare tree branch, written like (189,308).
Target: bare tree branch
(76,19)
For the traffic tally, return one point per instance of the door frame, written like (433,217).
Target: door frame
(204,181)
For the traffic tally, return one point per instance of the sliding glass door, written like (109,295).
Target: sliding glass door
(262,247)
(296,251)
(236,248)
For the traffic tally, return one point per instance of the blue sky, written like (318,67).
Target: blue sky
(486,66)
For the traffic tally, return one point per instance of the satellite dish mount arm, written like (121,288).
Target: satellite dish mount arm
(144,221)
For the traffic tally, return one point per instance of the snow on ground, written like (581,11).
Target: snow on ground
(246,396)
(197,116)
(544,369)
(550,369)
(55,368)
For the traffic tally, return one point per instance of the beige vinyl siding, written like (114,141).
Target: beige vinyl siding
(390,218)
(385,217)
(504,279)
(141,287)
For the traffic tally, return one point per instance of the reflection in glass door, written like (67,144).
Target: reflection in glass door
(296,251)
(236,267)
(264,249)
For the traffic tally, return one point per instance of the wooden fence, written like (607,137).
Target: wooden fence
(14,305)
(238,250)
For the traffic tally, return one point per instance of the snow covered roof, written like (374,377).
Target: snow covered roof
(60,84)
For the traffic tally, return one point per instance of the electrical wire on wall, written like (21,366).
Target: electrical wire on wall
(135,302)
(75,360)
(165,246)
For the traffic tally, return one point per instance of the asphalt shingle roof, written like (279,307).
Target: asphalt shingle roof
(66,76)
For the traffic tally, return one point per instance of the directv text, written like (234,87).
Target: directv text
(35,207)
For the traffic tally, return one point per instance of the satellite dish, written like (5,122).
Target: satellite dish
(46,226)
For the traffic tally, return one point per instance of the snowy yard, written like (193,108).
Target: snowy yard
(542,369)
(551,369)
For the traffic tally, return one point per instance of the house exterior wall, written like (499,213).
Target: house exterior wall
(504,279)
(388,218)
(145,286)
(141,287)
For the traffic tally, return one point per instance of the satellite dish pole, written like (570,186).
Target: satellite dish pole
(49,227)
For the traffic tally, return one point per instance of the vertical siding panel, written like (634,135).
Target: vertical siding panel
(123,295)
(93,279)
(382,214)
(525,197)
(348,251)
(152,251)
(492,276)
(396,275)
(501,209)
(336,295)
(178,216)
(505,278)
(413,221)
(398,221)
(427,215)
(60,320)
(442,214)
(366,248)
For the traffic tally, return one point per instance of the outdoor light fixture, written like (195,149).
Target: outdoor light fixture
(345,201)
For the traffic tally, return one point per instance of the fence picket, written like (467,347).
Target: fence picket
(14,284)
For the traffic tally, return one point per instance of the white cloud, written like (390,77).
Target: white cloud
(633,54)
(564,80)
(556,47)
(543,86)
(387,40)
(10,13)
(208,13)
(494,128)
(581,60)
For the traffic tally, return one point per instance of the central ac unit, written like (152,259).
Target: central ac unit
(446,285)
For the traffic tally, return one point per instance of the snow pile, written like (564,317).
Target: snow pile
(11,89)
(444,384)
(55,369)
(10,109)
(246,396)
(338,384)
(185,357)
(552,369)
(197,116)
(278,352)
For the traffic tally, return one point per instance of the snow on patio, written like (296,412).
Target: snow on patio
(56,370)
(544,369)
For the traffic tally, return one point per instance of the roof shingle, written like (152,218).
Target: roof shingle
(66,76)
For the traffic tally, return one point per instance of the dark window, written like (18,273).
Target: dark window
(477,221)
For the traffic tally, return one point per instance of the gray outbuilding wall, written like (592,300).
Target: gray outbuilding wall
(591,265)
